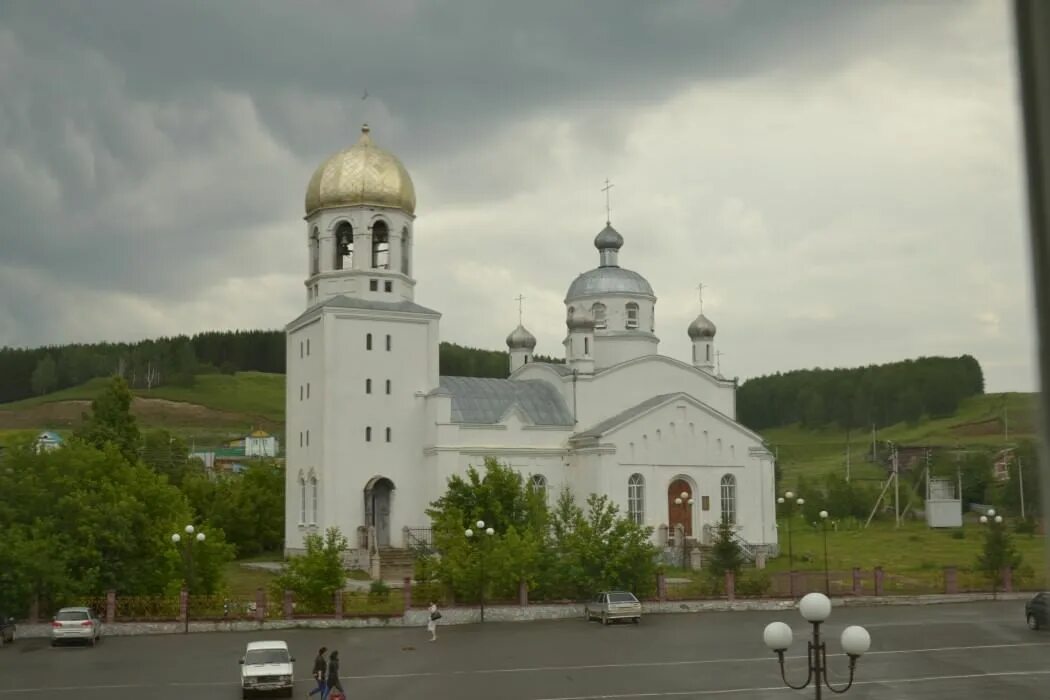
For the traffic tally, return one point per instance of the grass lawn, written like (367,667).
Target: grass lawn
(242,582)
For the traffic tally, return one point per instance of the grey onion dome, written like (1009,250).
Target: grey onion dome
(580,322)
(701,327)
(521,339)
(608,280)
(608,238)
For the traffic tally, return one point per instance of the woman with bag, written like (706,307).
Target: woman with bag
(432,623)
(320,674)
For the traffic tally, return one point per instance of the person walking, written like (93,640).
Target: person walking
(320,674)
(333,677)
(432,623)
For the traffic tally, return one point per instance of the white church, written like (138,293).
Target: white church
(374,431)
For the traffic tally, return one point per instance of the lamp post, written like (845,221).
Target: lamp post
(815,608)
(489,532)
(827,578)
(790,499)
(996,522)
(186,549)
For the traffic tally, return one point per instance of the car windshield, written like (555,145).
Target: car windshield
(622,598)
(266,656)
(71,615)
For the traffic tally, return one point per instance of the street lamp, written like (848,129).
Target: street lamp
(816,607)
(186,549)
(790,499)
(489,532)
(827,579)
(996,522)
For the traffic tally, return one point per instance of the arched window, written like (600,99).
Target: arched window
(388,386)
(632,315)
(388,434)
(313,500)
(368,386)
(405,248)
(368,341)
(598,311)
(315,252)
(302,499)
(586,346)
(636,498)
(569,312)
(538,484)
(380,246)
(368,434)
(344,247)
(729,499)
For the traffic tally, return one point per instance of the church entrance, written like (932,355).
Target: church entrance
(377,508)
(680,506)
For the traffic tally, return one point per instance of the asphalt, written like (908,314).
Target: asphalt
(975,650)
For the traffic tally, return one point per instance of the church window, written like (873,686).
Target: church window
(313,500)
(308,390)
(302,500)
(300,438)
(300,349)
(388,434)
(301,392)
(344,247)
(405,241)
(538,484)
(373,285)
(315,252)
(368,341)
(387,386)
(729,499)
(636,498)
(388,286)
(598,311)
(569,312)
(632,315)
(307,438)
(308,347)
(368,434)
(368,386)
(694,354)
(380,246)
(708,349)
(586,346)
(389,343)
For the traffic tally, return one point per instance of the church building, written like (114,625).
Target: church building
(374,431)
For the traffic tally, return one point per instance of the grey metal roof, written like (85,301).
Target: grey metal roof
(344,302)
(559,367)
(608,280)
(484,400)
(599,429)
(521,338)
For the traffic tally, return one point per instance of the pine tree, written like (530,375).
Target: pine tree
(110,421)
(725,553)
(998,554)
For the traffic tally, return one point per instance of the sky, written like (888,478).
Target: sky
(845,179)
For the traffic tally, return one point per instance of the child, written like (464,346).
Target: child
(432,623)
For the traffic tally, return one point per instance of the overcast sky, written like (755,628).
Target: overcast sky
(845,177)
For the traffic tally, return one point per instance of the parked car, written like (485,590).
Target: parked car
(7,629)
(267,667)
(613,605)
(76,625)
(1037,611)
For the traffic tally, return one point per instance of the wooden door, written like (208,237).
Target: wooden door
(682,512)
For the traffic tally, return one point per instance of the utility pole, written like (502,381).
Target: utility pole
(896,487)
(1020,482)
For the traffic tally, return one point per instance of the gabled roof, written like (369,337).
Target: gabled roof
(344,302)
(483,400)
(628,415)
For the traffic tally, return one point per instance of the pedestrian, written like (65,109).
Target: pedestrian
(432,623)
(320,673)
(333,677)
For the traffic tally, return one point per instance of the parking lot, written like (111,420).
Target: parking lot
(978,650)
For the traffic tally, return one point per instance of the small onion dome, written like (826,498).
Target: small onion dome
(521,339)
(608,238)
(580,322)
(701,327)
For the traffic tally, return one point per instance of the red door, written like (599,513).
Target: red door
(679,510)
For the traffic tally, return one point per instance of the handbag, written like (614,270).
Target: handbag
(435,615)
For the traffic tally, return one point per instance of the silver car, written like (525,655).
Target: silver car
(613,605)
(76,625)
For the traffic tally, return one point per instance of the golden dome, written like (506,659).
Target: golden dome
(361,174)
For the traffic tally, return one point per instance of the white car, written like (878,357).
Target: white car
(76,625)
(267,667)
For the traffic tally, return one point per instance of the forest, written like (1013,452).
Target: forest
(177,360)
(880,395)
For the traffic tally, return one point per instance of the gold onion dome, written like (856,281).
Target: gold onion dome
(361,174)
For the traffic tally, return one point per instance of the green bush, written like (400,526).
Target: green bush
(378,591)
(753,583)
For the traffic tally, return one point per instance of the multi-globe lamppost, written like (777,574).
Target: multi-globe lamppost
(824,525)
(489,532)
(996,521)
(186,549)
(789,499)
(815,608)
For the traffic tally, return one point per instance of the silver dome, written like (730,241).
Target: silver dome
(701,327)
(521,339)
(608,238)
(608,280)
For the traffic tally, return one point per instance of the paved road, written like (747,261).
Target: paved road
(980,650)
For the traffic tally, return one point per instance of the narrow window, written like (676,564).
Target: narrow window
(308,347)
(388,286)
(708,352)
(300,438)
(380,246)
(300,392)
(344,247)
(388,434)
(315,252)
(598,311)
(368,341)
(388,386)
(368,434)
(308,390)
(302,500)
(636,498)
(300,349)
(729,499)
(388,343)
(694,354)
(313,498)
(368,386)
(586,346)
(632,315)
(373,285)
(405,243)
(307,438)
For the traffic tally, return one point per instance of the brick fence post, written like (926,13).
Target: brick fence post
(406,593)
(260,604)
(951,580)
(289,605)
(339,604)
(731,586)
(111,606)
(184,605)
(858,583)
(1008,580)
(523,594)
(661,587)
(879,574)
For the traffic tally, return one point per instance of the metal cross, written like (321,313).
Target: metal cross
(718,362)
(608,207)
(521,305)
(700,289)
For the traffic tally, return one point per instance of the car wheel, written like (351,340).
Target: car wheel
(1033,624)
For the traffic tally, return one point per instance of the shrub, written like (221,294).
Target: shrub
(753,583)
(378,591)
